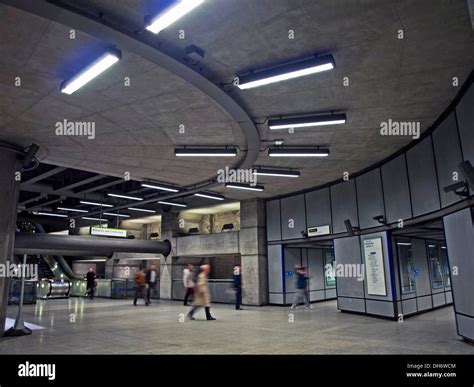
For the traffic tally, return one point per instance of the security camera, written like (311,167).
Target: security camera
(380,219)
(468,171)
(304,234)
(459,189)
(350,228)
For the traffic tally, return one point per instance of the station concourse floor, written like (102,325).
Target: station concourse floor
(104,326)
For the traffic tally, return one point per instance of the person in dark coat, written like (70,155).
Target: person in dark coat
(151,281)
(237,278)
(90,278)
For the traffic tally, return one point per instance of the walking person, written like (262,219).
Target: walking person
(188,282)
(237,278)
(301,284)
(151,281)
(140,286)
(202,296)
(90,278)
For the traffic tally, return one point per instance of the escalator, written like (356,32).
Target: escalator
(44,271)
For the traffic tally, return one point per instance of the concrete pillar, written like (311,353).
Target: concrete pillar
(9,191)
(252,245)
(169,227)
(459,232)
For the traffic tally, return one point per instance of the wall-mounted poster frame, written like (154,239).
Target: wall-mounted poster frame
(374,267)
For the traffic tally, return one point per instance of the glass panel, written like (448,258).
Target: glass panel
(329,268)
(444,260)
(436,268)
(407,273)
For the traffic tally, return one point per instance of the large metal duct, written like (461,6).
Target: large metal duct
(61,244)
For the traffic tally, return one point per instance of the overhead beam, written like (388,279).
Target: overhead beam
(49,190)
(100,187)
(52,201)
(43,176)
(82,182)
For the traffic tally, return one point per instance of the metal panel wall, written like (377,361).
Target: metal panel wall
(343,200)
(448,156)
(292,259)
(273,220)
(465,116)
(422,178)
(318,208)
(347,251)
(396,190)
(369,198)
(459,231)
(275,269)
(293,218)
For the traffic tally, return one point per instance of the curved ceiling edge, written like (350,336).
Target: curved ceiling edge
(130,42)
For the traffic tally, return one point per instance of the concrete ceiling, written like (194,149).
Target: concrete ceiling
(137,126)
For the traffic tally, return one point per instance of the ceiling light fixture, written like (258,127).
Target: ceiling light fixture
(159,186)
(308,121)
(171,14)
(210,196)
(202,152)
(71,209)
(89,218)
(142,210)
(51,214)
(173,204)
(276,172)
(286,71)
(298,152)
(116,215)
(247,187)
(95,204)
(124,196)
(98,66)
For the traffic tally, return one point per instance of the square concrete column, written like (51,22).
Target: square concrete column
(252,245)
(9,191)
(169,227)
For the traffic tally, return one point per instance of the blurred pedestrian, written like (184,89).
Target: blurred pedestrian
(202,296)
(140,286)
(237,279)
(188,282)
(90,279)
(151,281)
(301,285)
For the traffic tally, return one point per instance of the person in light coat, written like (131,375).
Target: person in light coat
(202,296)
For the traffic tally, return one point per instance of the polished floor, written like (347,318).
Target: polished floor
(99,326)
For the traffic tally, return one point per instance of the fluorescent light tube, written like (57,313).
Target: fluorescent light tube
(305,122)
(141,210)
(200,152)
(275,172)
(95,204)
(173,204)
(124,197)
(52,214)
(89,218)
(298,152)
(404,243)
(71,209)
(247,187)
(210,196)
(117,215)
(106,60)
(286,71)
(159,186)
(172,14)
